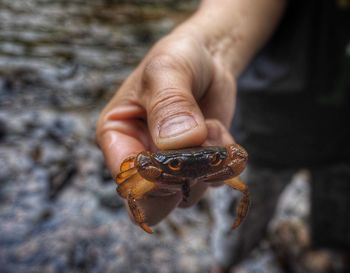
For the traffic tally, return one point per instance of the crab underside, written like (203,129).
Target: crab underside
(133,187)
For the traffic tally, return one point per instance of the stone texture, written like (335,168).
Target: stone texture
(60,61)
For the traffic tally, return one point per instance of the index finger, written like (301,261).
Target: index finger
(121,132)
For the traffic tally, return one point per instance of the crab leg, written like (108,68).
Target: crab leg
(127,169)
(134,189)
(243,205)
(127,163)
(124,175)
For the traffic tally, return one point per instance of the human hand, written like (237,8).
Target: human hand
(179,96)
(183,92)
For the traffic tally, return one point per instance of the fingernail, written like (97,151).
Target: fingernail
(176,125)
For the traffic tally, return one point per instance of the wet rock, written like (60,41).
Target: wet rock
(82,256)
(61,179)
(111,201)
(318,262)
(50,154)
(67,55)
(60,129)
(3,129)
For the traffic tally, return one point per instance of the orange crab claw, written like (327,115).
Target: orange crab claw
(146,228)
(243,206)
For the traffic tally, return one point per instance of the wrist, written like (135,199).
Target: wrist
(233,31)
(215,40)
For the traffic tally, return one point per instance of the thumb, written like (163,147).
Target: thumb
(174,117)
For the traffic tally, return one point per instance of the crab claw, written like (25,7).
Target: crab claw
(146,228)
(243,206)
(138,214)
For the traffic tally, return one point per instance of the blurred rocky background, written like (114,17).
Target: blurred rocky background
(60,61)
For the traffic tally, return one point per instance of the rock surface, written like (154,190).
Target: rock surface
(60,61)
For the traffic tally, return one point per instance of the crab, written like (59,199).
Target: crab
(177,170)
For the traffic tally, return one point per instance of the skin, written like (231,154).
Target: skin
(182,94)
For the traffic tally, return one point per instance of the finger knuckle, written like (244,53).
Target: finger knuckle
(170,101)
(159,63)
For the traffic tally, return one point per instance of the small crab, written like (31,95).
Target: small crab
(177,170)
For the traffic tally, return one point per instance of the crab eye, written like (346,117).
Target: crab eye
(215,160)
(174,165)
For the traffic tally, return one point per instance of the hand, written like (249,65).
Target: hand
(183,93)
(179,96)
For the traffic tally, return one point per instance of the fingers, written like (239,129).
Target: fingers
(120,133)
(174,117)
(219,99)
(156,107)
(218,134)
